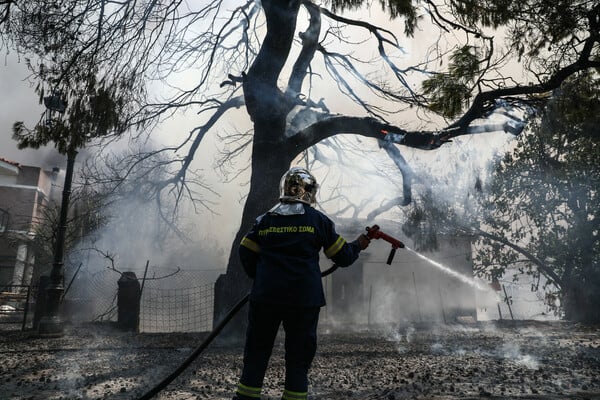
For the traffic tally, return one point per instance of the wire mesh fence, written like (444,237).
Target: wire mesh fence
(14,305)
(182,300)
(171,300)
(187,307)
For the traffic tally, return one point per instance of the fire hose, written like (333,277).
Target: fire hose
(372,233)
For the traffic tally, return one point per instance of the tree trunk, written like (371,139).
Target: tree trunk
(270,160)
(581,297)
(267,170)
(271,157)
(581,293)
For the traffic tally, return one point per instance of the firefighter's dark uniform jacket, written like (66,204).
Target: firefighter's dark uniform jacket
(281,254)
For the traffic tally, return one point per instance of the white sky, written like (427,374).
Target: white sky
(19,102)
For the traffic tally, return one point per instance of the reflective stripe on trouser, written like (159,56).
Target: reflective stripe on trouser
(289,395)
(248,392)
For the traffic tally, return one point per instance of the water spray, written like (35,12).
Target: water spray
(449,271)
(375,233)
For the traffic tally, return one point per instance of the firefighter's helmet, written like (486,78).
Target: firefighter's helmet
(298,185)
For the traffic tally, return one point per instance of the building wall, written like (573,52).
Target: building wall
(21,202)
(24,191)
(409,290)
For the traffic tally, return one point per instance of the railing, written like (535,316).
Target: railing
(15,304)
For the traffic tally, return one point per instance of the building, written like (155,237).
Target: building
(410,290)
(24,191)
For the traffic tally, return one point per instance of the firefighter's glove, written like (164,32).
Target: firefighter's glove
(363,241)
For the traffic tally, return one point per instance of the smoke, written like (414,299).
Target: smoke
(465,341)
(455,174)
(401,337)
(181,270)
(184,249)
(135,232)
(512,351)
(413,289)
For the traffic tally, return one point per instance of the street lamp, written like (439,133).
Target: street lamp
(51,323)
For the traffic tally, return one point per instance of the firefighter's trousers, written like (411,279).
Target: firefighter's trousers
(300,326)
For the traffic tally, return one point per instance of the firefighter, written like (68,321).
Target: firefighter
(281,255)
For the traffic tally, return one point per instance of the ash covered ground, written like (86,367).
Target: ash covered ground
(522,360)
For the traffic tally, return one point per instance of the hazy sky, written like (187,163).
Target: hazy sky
(19,103)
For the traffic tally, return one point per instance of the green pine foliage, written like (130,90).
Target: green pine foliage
(450,92)
(544,197)
(406,9)
(91,110)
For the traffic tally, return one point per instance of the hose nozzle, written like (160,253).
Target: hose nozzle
(375,233)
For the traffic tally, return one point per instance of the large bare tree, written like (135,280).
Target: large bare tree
(269,58)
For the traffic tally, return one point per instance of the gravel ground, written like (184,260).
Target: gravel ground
(523,360)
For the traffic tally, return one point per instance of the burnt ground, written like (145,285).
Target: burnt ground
(523,360)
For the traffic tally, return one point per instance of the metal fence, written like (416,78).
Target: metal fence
(516,301)
(182,301)
(177,310)
(15,303)
(171,300)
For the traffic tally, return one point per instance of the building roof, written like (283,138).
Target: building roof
(8,167)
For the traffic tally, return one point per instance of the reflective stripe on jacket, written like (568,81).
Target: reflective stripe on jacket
(281,253)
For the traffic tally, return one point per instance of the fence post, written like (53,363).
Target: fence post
(26,310)
(442,304)
(71,282)
(40,300)
(508,303)
(417,296)
(128,301)
(142,291)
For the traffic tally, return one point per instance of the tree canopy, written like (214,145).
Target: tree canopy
(542,213)
(463,75)
(536,218)
(304,73)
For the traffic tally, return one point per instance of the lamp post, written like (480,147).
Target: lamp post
(51,322)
